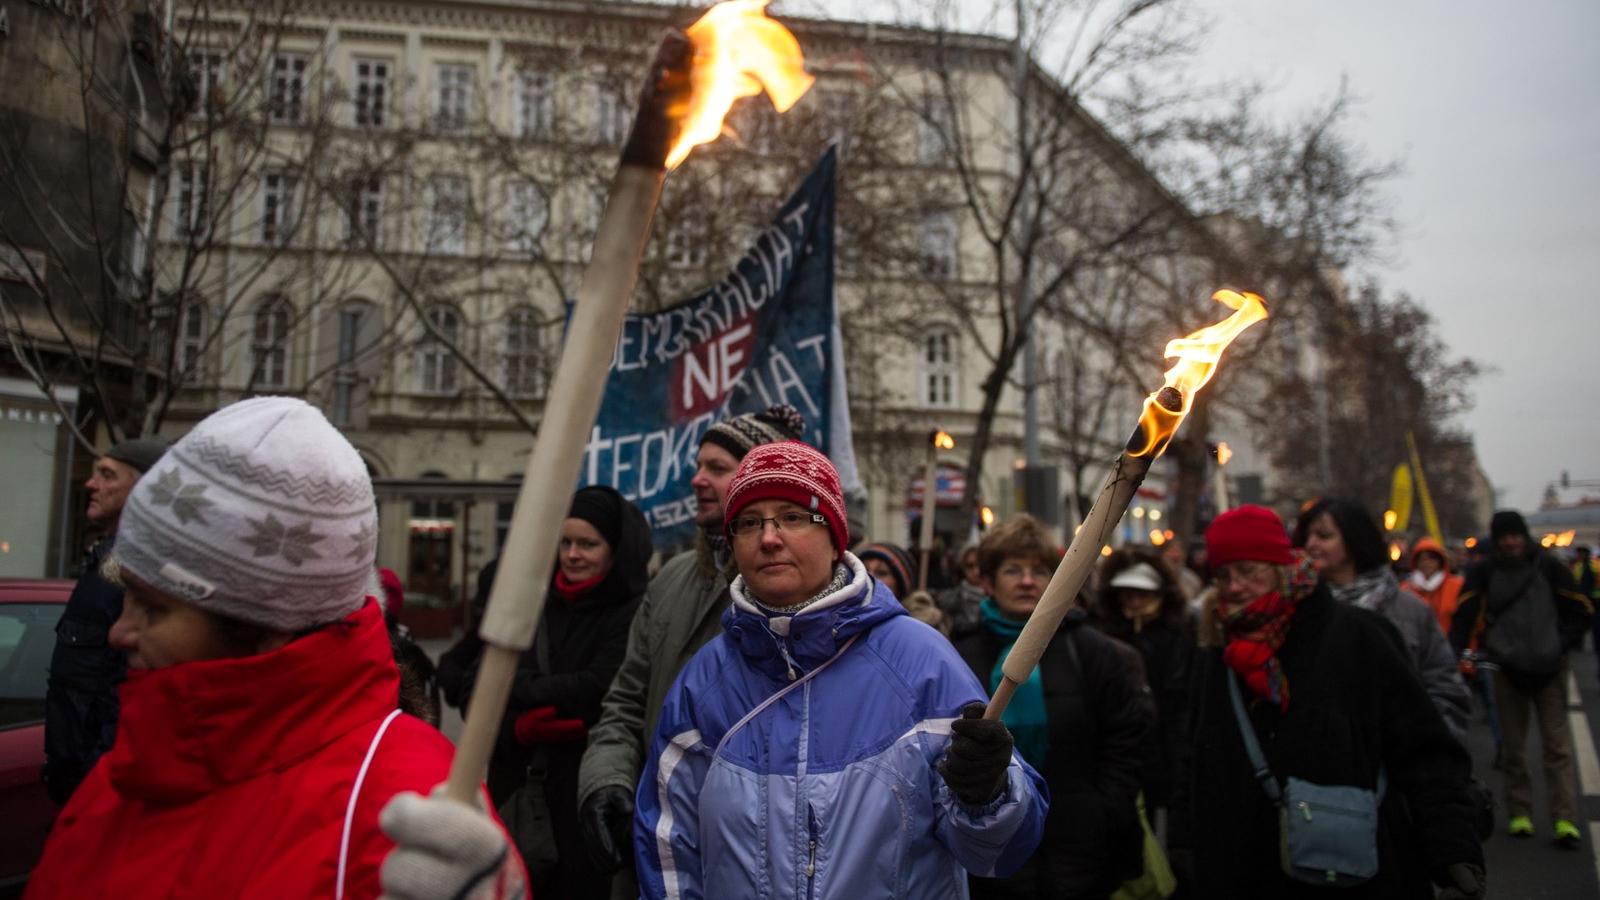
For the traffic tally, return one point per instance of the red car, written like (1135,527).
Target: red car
(28,613)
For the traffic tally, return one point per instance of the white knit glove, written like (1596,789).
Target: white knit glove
(445,850)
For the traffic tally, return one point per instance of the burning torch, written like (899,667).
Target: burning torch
(938,440)
(733,51)
(1197,355)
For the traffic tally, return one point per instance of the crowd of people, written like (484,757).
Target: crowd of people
(783,711)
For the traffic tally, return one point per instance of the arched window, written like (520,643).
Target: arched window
(356,324)
(522,366)
(436,363)
(269,344)
(941,368)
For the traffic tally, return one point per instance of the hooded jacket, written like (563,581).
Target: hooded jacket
(1441,597)
(831,789)
(232,777)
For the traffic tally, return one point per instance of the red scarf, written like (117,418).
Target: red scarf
(572,591)
(1256,630)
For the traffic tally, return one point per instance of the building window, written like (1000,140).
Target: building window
(269,344)
(448,203)
(372,93)
(364,212)
(935,132)
(191,337)
(612,117)
(207,68)
(346,376)
(190,187)
(286,93)
(687,241)
(278,206)
(941,362)
(527,215)
(436,362)
(536,105)
(453,99)
(939,245)
(522,371)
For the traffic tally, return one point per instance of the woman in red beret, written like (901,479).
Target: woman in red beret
(1323,696)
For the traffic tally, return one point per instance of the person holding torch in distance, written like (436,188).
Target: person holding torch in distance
(1316,759)
(825,745)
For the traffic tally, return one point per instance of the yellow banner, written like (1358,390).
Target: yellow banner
(1400,499)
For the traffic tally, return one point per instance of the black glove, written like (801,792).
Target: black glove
(607,822)
(980,750)
(1463,881)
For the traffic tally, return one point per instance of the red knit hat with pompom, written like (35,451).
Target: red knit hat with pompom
(792,471)
(1248,533)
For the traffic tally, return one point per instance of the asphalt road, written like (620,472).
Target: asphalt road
(1536,869)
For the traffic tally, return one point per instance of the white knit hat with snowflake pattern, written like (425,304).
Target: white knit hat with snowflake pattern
(263,512)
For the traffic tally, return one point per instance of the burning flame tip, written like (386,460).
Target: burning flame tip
(1197,357)
(738,52)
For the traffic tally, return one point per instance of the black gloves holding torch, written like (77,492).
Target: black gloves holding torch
(980,751)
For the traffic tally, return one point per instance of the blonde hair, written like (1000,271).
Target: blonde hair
(1211,631)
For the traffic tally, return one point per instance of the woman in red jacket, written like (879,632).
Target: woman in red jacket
(259,738)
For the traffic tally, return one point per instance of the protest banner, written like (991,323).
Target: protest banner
(766,333)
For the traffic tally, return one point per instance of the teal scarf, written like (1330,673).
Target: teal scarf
(1025,715)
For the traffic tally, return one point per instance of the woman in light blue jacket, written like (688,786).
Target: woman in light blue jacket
(826,744)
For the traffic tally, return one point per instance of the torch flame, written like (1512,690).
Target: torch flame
(943,440)
(1197,355)
(738,52)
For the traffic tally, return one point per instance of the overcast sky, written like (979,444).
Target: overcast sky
(1494,108)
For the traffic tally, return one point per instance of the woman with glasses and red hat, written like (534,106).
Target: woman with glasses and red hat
(1298,698)
(826,744)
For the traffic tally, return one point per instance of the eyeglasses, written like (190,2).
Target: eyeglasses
(791,522)
(1039,573)
(1241,571)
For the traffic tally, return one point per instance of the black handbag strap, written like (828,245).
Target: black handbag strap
(1252,748)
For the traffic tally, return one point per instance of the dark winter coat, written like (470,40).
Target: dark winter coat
(1474,615)
(1168,652)
(1100,712)
(1356,705)
(80,715)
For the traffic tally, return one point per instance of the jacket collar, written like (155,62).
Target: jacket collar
(194,727)
(787,646)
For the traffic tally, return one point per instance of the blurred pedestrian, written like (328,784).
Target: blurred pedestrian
(419,683)
(1177,559)
(1141,603)
(810,751)
(1588,582)
(890,564)
(1312,731)
(259,737)
(1343,542)
(960,603)
(1080,719)
(1432,579)
(1523,610)
(681,613)
(80,704)
(600,577)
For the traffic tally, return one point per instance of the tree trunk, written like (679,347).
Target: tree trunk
(983,432)
(1191,453)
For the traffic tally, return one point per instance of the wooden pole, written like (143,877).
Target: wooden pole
(930,497)
(1127,473)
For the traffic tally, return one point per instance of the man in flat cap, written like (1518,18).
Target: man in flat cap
(80,715)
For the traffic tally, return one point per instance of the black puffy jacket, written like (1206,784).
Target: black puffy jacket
(1100,711)
(80,713)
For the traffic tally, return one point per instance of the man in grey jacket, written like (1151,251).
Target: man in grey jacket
(681,612)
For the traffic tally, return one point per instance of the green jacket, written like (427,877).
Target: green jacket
(681,612)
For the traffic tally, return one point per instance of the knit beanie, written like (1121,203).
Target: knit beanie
(792,471)
(140,453)
(263,512)
(602,508)
(898,561)
(1248,532)
(740,434)
(1507,521)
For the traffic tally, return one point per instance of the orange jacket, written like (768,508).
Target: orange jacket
(1444,596)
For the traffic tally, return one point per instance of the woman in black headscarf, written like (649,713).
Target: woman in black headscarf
(601,575)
